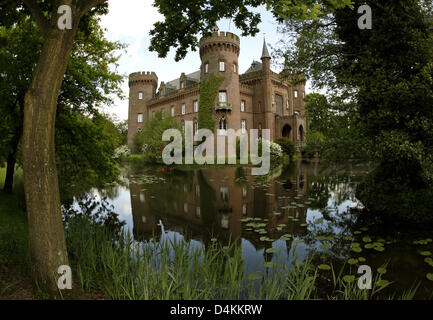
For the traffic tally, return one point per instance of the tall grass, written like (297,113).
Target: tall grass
(160,270)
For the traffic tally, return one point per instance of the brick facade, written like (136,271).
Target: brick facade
(270,102)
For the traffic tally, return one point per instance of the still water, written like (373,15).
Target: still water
(295,211)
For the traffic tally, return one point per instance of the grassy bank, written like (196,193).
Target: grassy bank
(122,269)
(15,282)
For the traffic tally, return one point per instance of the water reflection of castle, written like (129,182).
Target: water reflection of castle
(204,204)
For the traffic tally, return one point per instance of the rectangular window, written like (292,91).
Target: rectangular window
(195,106)
(235,68)
(206,68)
(244,126)
(222,66)
(140,118)
(183,108)
(172,111)
(196,127)
(223,96)
(242,105)
(303,94)
(295,94)
(140,95)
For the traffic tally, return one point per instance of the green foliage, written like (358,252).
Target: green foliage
(149,141)
(184,20)
(90,79)
(208,92)
(287,145)
(84,150)
(382,82)
(333,130)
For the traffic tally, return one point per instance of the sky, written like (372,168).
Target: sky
(130,22)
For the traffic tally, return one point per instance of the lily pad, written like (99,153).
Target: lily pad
(380,249)
(352,261)
(429,276)
(357,249)
(425,253)
(271,250)
(366,239)
(324,267)
(349,278)
(362,259)
(429,261)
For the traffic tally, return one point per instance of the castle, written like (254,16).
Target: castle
(258,99)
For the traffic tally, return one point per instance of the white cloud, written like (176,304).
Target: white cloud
(130,18)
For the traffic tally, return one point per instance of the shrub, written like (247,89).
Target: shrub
(287,146)
(122,151)
(149,141)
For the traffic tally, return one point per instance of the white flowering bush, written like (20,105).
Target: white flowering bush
(275,148)
(122,151)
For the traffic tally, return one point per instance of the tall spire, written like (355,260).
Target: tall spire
(265,53)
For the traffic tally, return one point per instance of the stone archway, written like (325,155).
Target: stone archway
(301,133)
(287,130)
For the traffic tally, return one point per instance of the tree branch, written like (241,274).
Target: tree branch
(37,14)
(86,5)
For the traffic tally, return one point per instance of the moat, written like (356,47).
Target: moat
(296,211)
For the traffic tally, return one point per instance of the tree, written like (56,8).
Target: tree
(88,80)
(46,233)
(383,80)
(185,19)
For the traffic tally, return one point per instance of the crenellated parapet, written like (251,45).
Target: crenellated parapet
(143,78)
(225,41)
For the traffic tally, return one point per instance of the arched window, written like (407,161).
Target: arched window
(301,133)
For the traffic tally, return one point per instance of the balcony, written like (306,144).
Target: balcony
(223,106)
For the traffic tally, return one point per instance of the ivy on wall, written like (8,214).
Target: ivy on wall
(208,92)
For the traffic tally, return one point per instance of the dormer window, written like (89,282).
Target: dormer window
(222,66)
(182,85)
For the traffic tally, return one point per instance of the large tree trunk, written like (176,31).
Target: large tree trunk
(46,230)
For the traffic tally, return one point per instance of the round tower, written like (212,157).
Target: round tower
(142,88)
(219,54)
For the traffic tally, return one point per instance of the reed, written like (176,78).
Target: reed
(172,269)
